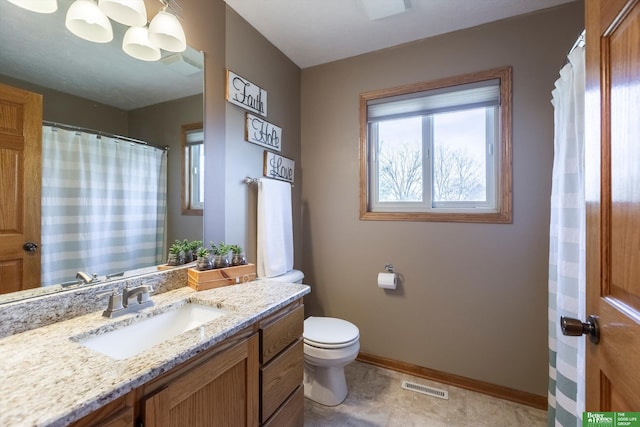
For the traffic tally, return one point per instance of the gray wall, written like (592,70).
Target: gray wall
(61,107)
(251,56)
(473,300)
(204,25)
(229,42)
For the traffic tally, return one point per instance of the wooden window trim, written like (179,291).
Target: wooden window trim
(186,210)
(504,181)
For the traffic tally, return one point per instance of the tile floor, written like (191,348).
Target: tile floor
(376,399)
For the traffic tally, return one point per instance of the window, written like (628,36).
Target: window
(438,151)
(193,167)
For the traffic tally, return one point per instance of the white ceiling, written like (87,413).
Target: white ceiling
(312,32)
(38,48)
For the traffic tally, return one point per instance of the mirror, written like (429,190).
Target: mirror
(99,87)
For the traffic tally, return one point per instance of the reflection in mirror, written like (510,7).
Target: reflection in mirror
(103,205)
(98,87)
(193,164)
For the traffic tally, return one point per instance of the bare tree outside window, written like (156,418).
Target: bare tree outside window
(457,176)
(400,174)
(457,168)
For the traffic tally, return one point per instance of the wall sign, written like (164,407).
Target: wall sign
(261,132)
(245,94)
(278,167)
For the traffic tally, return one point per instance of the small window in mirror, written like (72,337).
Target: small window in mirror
(193,169)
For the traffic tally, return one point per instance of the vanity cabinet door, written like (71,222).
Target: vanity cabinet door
(222,391)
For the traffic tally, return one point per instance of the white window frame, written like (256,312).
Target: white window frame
(496,209)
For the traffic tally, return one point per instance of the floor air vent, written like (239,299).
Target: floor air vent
(425,390)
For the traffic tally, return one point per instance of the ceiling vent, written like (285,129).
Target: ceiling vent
(380,9)
(181,64)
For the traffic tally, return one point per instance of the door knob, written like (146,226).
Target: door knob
(30,247)
(575,328)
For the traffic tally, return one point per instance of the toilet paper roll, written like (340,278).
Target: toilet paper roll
(387,280)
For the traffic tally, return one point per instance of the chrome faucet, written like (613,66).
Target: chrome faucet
(84,277)
(131,300)
(136,296)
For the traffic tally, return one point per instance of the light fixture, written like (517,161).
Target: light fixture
(87,21)
(136,44)
(131,13)
(166,32)
(40,6)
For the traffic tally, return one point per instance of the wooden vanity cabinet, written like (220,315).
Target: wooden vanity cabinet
(119,413)
(281,367)
(219,389)
(252,378)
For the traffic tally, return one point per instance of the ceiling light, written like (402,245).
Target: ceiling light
(40,6)
(87,21)
(136,44)
(166,32)
(128,12)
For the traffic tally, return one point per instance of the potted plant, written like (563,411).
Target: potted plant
(192,247)
(186,251)
(220,252)
(203,262)
(238,257)
(176,256)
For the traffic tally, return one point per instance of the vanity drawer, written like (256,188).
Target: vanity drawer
(278,334)
(280,378)
(291,413)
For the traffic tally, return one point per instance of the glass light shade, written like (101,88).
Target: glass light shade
(131,13)
(136,44)
(40,6)
(87,21)
(166,32)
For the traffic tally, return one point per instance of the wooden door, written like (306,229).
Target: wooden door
(20,188)
(223,392)
(613,202)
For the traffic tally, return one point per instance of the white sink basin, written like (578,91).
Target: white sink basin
(137,337)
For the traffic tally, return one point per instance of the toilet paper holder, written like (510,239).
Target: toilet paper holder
(389,267)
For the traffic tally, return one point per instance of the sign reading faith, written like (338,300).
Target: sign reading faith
(261,132)
(278,167)
(245,94)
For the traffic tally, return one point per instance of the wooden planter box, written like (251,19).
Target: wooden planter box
(209,279)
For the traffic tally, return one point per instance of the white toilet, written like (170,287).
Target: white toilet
(330,344)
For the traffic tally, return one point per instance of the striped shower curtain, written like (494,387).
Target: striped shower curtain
(103,205)
(567,245)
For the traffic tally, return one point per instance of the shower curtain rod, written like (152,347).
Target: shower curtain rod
(579,41)
(101,133)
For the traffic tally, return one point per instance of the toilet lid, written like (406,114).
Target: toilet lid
(329,332)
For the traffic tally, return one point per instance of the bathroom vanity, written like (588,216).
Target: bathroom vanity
(243,368)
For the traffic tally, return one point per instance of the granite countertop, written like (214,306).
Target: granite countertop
(48,379)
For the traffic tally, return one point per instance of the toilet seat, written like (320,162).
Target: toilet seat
(329,332)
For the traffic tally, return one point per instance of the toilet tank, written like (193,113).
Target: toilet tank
(293,276)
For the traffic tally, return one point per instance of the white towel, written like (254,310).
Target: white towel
(275,228)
